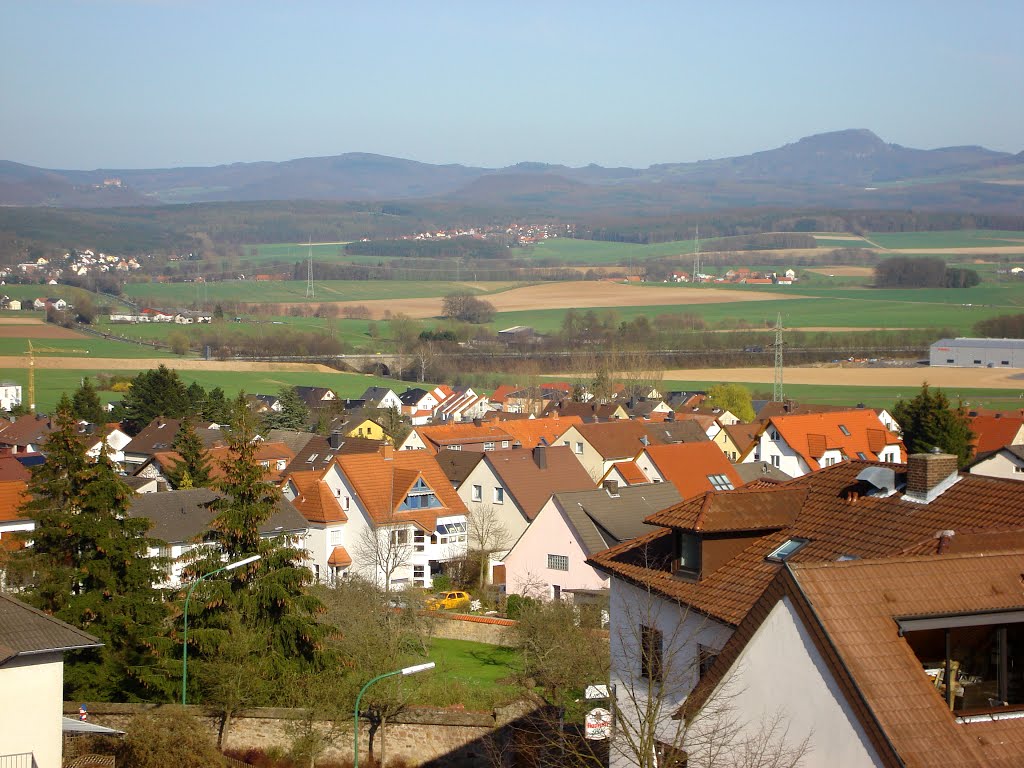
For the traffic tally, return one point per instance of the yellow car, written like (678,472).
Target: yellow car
(448,601)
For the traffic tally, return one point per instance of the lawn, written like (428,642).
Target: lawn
(477,675)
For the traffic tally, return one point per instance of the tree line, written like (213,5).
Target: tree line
(922,272)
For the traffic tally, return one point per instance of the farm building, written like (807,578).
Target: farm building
(978,353)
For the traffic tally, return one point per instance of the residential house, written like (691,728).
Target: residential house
(381,397)
(457,465)
(27,434)
(994,430)
(418,404)
(510,487)
(693,468)
(180,519)
(682,592)
(13,494)
(650,408)
(589,411)
(405,521)
(32,647)
(364,427)
(264,403)
(801,444)
(273,457)
(109,435)
(464,404)
(492,434)
(10,396)
(316,494)
(675,431)
(316,397)
(769,409)
(866,677)
(598,446)
(549,560)
(736,440)
(1007,462)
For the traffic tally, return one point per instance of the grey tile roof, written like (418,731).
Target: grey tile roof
(603,521)
(25,630)
(181,516)
(760,470)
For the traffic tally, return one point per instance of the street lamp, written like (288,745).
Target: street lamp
(184,647)
(406,671)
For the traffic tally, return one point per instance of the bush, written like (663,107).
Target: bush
(166,736)
(515,604)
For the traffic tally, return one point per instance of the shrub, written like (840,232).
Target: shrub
(166,736)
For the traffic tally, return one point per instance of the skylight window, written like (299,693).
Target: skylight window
(720,482)
(861,456)
(844,430)
(785,550)
(312,457)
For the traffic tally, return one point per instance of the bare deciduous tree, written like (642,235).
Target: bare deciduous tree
(486,534)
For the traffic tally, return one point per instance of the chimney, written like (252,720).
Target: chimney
(478,422)
(929,475)
(612,486)
(387,450)
(944,540)
(161,486)
(540,456)
(670,416)
(336,440)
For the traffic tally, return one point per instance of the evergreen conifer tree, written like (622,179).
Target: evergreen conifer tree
(153,393)
(928,420)
(294,413)
(195,462)
(86,403)
(89,565)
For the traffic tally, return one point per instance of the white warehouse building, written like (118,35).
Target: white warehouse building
(977,353)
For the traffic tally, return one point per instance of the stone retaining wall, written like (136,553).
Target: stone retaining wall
(479,629)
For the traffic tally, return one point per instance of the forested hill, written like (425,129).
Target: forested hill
(852,169)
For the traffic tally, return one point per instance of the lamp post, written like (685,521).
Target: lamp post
(188,596)
(406,671)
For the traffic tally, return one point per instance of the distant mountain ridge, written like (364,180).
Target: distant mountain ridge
(835,168)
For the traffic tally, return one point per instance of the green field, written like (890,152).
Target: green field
(966,238)
(477,675)
(86,346)
(50,384)
(171,295)
(827,242)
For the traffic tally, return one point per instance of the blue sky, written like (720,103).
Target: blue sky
(157,83)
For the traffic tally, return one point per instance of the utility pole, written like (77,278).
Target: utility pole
(777,393)
(310,294)
(696,254)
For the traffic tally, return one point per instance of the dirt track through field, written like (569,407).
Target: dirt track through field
(144,364)
(578,295)
(974,378)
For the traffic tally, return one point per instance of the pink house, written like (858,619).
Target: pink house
(550,557)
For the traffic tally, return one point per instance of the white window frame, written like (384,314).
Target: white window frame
(478,493)
(499,495)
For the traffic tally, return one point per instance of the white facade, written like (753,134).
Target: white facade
(1000,464)
(31,708)
(483,493)
(782,675)
(116,440)
(643,705)
(10,396)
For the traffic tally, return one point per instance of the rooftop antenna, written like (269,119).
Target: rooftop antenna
(696,254)
(310,293)
(778,395)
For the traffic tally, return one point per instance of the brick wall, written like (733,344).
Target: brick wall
(479,629)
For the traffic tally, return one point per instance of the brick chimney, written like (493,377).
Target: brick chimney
(540,456)
(612,487)
(387,450)
(929,475)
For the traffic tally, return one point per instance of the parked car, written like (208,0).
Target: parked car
(448,601)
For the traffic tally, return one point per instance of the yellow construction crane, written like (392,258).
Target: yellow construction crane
(32,369)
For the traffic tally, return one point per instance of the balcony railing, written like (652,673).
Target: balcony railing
(21,760)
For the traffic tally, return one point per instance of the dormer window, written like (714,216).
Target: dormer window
(688,549)
(786,550)
(420,496)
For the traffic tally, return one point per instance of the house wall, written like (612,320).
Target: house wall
(1000,465)
(30,719)
(638,700)
(779,454)
(727,446)
(10,397)
(508,513)
(413,442)
(977,356)
(649,468)
(368,429)
(781,674)
(526,566)
(591,460)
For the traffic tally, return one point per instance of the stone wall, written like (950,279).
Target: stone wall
(479,629)
(420,736)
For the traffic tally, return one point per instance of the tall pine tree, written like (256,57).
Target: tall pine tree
(86,403)
(159,392)
(265,600)
(88,565)
(195,462)
(928,420)
(294,413)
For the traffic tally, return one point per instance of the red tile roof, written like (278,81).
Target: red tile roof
(812,434)
(340,558)
(630,472)
(314,498)
(620,439)
(688,466)
(993,432)
(13,493)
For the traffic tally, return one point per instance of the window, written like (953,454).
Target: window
(417,572)
(774,434)
(454,447)
(844,430)
(720,482)
(861,456)
(312,458)
(579,447)
(786,549)
(478,493)
(556,592)
(558,562)
(421,496)
(504,443)
(776,460)
(499,495)
(336,537)
(977,362)
(688,545)
(1004,362)
(830,461)
(950,360)
(705,658)
(400,537)
(651,640)
(348,503)
(418,540)
(489,446)
(1018,468)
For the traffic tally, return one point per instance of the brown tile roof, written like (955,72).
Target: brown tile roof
(12,469)
(26,630)
(688,465)
(584,411)
(529,485)
(791,408)
(676,431)
(269,452)
(617,439)
(457,465)
(746,509)
(26,430)
(437,438)
(160,433)
(314,498)
(13,493)
(742,435)
(340,557)
(381,485)
(869,526)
